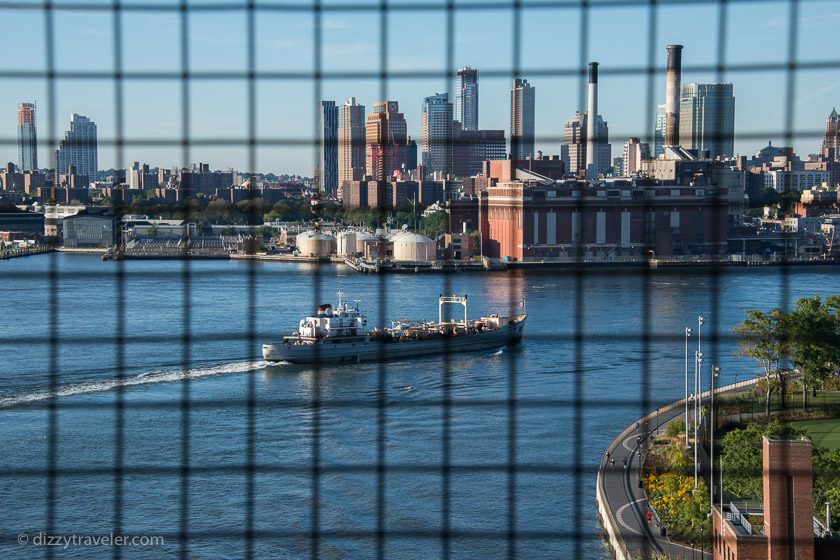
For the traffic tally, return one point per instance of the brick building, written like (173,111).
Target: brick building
(524,221)
(784,528)
(390,194)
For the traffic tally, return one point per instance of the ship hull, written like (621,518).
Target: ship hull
(366,351)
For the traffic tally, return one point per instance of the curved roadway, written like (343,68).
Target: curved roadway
(627,501)
(624,497)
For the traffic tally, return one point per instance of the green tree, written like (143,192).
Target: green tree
(815,341)
(435,224)
(675,428)
(764,337)
(741,457)
(827,482)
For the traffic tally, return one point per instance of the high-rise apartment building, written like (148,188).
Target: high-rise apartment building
(830,147)
(707,119)
(522,119)
(387,143)
(78,148)
(466,98)
(27,137)
(659,131)
(328,148)
(351,142)
(436,129)
(635,151)
(471,148)
(575,140)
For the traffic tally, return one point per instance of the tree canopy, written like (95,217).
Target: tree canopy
(805,340)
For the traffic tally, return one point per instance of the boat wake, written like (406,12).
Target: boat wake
(149,377)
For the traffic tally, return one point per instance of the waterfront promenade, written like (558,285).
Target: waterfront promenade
(622,505)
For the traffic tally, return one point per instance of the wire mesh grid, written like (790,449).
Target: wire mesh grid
(576,529)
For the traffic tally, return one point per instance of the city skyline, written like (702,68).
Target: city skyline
(286,114)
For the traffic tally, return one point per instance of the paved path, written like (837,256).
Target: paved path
(627,501)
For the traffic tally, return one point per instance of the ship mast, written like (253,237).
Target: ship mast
(458,300)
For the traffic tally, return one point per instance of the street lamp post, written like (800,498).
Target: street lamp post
(715,374)
(697,384)
(698,361)
(697,400)
(687,335)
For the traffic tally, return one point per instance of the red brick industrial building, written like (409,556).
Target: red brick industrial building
(533,221)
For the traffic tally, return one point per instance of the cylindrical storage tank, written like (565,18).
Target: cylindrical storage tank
(363,239)
(315,244)
(414,247)
(346,243)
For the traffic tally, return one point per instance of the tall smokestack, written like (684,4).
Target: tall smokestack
(672,95)
(591,117)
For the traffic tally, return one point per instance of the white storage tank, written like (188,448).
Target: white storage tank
(363,239)
(409,246)
(347,243)
(315,244)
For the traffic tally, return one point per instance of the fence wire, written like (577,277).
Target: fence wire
(515,405)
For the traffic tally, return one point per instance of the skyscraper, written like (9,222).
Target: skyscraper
(27,137)
(471,148)
(574,139)
(436,128)
(659,131)
(351,142)
(830,147)
(521,119)
(635,151)
(466,98)
(328,148)
(79,148)
(575,142)
(385,134)
(707,119)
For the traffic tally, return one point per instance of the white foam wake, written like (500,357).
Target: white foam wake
(159,376)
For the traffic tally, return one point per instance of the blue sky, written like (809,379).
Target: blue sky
(618,38)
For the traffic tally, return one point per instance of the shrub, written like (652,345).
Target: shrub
(675,428)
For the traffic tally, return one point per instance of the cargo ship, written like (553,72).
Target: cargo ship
(340,334)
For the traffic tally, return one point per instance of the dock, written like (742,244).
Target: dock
(366,266)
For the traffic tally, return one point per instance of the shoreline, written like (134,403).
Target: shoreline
(449,266)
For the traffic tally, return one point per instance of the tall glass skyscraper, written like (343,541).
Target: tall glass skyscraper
(437,134)
(27,137)
(351,142)
(466,98)
(79,148)
(659,131)
(521,119)
(328,148)
(707,119)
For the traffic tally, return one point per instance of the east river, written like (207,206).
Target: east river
(584,370)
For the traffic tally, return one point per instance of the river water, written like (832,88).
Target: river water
(563,401)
